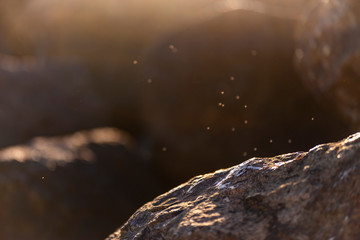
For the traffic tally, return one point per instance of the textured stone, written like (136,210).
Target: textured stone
(78,186)
(301,195)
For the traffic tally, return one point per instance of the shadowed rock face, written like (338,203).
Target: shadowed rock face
(227,81)
(78,186)
(301,195)
(46,98)
(328,55)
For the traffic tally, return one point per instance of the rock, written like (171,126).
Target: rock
(105,37)
(46,98)
(78,186)
(226,81)
(108,39)
(328,55)
(301,195)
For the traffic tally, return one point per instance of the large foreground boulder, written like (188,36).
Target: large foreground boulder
(72,187)
(301,195)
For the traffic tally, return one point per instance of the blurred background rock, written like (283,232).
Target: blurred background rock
(199,85)
(45,98)
(327,55)
(78,186)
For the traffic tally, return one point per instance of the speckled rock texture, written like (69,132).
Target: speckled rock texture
(301,195)
(78,186)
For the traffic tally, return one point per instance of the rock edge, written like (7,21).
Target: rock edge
(301,195)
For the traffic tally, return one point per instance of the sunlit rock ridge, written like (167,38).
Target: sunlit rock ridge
(301,195)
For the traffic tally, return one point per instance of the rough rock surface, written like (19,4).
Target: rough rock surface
(301,195)
(72,187)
